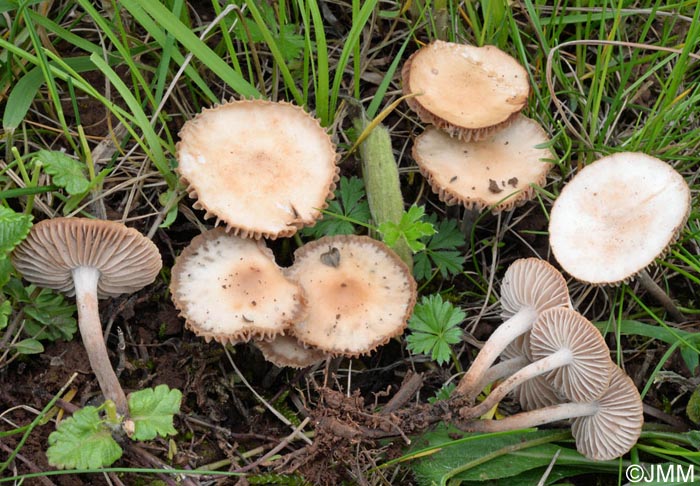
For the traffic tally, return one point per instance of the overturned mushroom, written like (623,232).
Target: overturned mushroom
(569,351)
(359,292)
(230,289)
(530,286)
(470,92)
(90,259)
(263,168)
(499,172)
(604,428)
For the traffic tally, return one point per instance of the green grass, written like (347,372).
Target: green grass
(606,76)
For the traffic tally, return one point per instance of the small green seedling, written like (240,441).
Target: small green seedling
(435,328)
(86,440)
(410,229)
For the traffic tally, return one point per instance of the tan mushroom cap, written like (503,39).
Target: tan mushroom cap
(498,172)
(289,351)
(588,374)
(230,289)
(617,425)
(468,91)
(359,293)
(616,216)
(127,260)
(263,168)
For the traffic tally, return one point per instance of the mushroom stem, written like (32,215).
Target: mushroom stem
(561,357)
(500,370)
(534,418)
(661,297)
(518,324)
(85,281)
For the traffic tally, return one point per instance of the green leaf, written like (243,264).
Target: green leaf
(435,328)
(463,460)
(14,227)
(5,311)
(693,407)
(289,43)
(350,203)
(411,229)
(152,411)
(28,346)
(6,270)
(64,171)
(440,250)
(82,442)
(50,317)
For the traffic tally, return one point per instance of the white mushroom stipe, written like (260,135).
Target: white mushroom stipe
(529,287)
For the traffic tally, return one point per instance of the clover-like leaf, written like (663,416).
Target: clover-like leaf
(435,327)
(64,171)
(152,411)
(82,442)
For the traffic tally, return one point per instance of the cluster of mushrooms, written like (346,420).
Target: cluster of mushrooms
(343,296)
(478,150)
(558,365)
(347,295)
(481,153)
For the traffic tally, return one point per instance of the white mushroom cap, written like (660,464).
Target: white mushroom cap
(498,172)
(616,426)
(127,260)
(263,168)
(468,91)
(587,375)
(230,289)
(359,293)
(289,351)
(616,216)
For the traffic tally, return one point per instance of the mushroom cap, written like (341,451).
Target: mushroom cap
(536,392)
(359,293)
(498,172)
(263,168)
(600,225)
(230,289)
(284,350)
(468,91)
(616,427)
(127,260)
(588,374)
(531,282)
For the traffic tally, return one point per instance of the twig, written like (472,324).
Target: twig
(283,443)
(32,467)
(261,399)
(408,389)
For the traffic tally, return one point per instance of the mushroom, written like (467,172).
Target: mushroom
(286,350)
(599,227)
(569,351)
(263,168)
(529,287)
(604,428)
(230,289)
(359,292)
(91,259)
(499,172)
(534,393)
(470,92)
